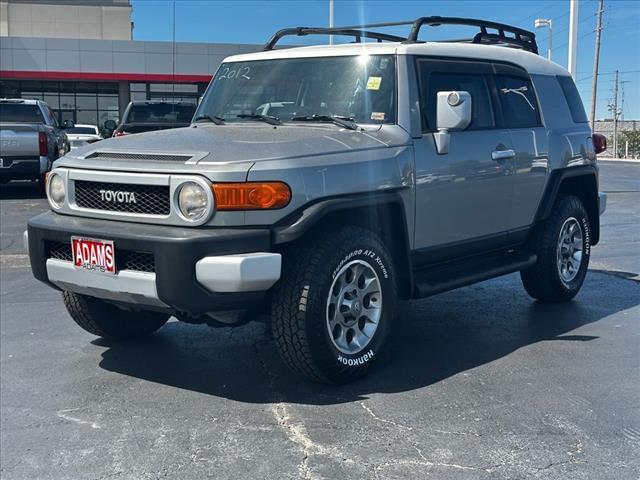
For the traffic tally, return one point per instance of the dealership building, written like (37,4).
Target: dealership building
(80,58)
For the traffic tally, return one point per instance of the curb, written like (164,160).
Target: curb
(620,160)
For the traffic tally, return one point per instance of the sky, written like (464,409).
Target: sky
(245,21)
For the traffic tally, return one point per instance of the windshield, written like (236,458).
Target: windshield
(82,130)
(359,87)
(160,113)
(20,113)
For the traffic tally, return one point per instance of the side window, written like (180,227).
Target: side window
(434,82)
(49,118)
(52,117)
(573,99)
(519,104)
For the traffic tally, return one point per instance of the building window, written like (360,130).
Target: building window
(82,102)
(167,92)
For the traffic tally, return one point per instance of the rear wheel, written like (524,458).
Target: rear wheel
(108,321)
(334,306)
(564,248)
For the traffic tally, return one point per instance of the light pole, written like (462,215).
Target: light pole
(573,38)
(330,20)
(545,22)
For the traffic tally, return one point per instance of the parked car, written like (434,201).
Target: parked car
(81,135)
(149,115)
(30,139)
(394,170)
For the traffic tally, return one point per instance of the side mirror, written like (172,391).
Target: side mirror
(68,124)
(453,111)
(110,125)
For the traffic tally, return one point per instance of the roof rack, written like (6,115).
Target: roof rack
(357,32)
(502,34)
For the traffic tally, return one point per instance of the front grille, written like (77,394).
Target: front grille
(125,259)
(139,261)
(149,199)
(148,157)
(60,251)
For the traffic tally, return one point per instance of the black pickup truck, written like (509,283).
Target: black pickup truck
(148,115)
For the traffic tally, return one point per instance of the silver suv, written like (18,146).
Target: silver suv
(323,184)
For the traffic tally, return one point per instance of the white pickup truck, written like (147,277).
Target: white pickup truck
(30,140)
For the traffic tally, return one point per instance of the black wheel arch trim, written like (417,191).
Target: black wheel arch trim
(298,223)
(553,189)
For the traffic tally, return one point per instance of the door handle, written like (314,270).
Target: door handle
(502,154)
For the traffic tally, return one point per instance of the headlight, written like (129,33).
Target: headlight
(192,201)
(56,190)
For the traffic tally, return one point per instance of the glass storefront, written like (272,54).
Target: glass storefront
(93,103)
(90,103)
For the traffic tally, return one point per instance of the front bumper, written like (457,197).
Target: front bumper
(602,202)
(196,270)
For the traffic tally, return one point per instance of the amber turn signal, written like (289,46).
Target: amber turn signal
(251,195)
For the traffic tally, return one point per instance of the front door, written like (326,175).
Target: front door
(464,197)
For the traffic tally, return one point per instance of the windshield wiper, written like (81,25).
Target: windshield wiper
(210,118)
(346,122)
(271,120)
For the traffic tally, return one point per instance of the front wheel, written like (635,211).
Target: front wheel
(334,306)
(108,321)
(564,249)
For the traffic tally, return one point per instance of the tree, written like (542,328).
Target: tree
(633,137)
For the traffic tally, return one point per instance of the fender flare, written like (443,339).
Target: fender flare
(298,223)
(552,190)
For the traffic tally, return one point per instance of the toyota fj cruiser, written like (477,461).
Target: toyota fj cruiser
(323,184)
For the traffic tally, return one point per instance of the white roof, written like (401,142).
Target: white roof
(529,61)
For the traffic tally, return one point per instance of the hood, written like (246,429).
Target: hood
(225,148)
(249,143)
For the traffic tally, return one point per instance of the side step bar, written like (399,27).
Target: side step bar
(445,277)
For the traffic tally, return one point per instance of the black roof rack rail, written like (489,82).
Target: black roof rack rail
(524,39)
(357,32)
(504,34)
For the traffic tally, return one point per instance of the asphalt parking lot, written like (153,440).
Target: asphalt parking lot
(479,383)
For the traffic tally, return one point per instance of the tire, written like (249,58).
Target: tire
(316,274)
(108,321)
(548,280)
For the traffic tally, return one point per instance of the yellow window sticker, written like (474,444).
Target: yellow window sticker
(377,115)
(374,83)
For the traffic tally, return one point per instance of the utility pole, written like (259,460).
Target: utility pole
(573,38)
(615,118)
(330,20)
(596,61)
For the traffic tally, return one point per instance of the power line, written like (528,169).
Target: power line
(607,73)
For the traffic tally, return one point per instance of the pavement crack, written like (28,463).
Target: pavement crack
(383,420)
(295,430)
(452,432)
(64,414)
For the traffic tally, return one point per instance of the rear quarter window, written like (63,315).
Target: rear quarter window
(20,113)
(573,99)
(518,101)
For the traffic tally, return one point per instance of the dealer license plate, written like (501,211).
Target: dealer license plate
(94,255)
